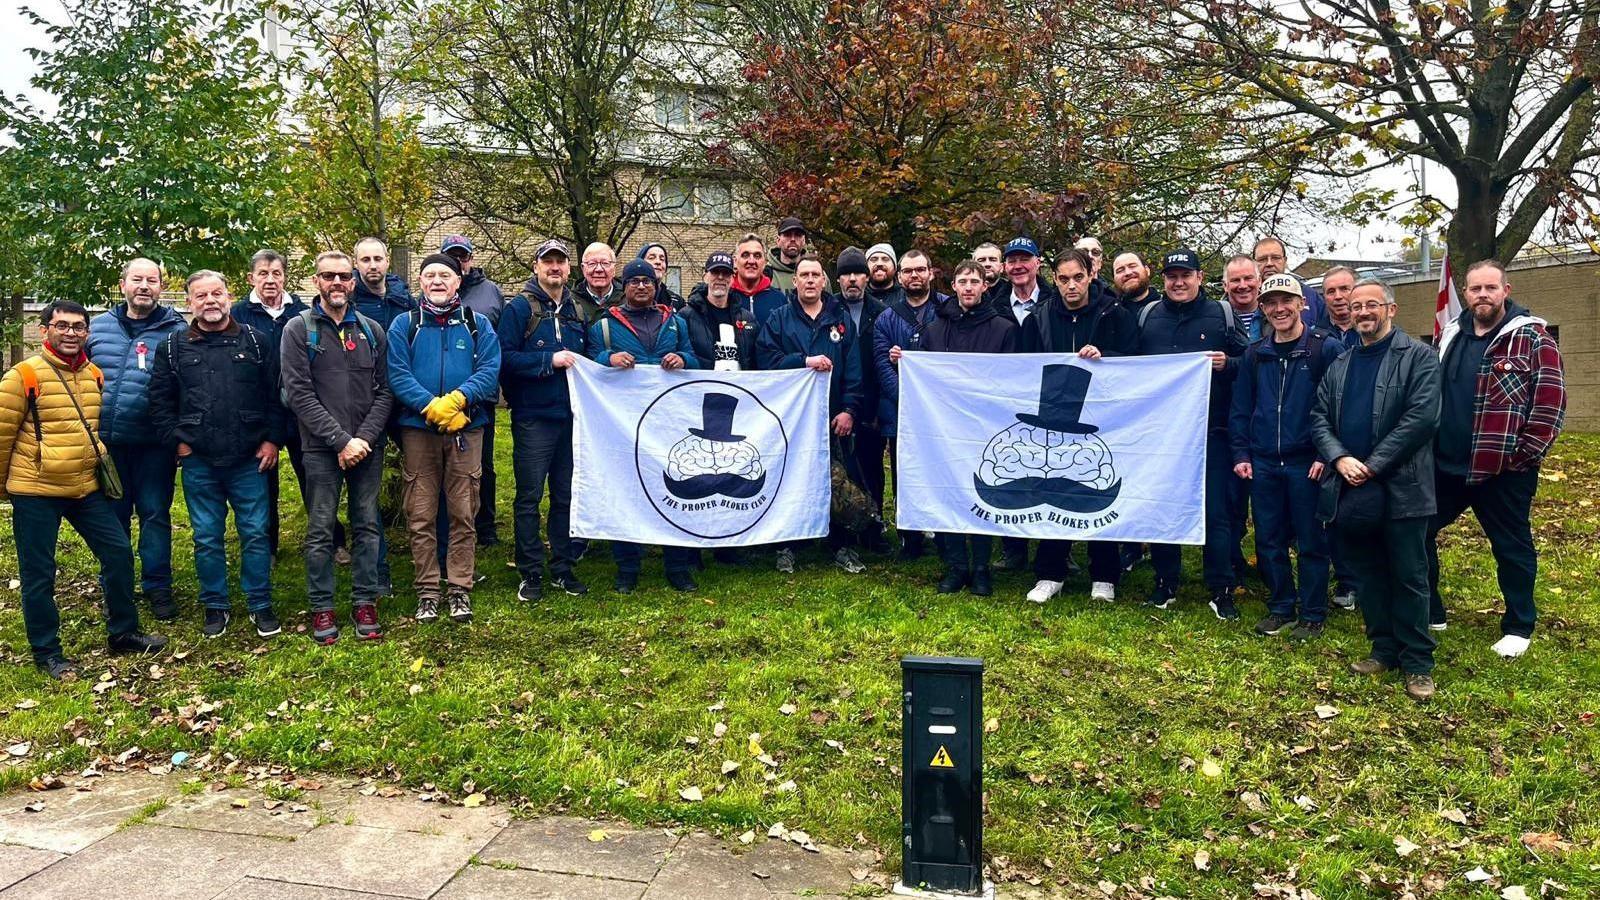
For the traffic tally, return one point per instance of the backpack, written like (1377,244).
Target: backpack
(172,347)
(468,318)
(314,333)
(30,393)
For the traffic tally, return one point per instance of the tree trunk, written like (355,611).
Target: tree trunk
(1471,234)
(14,313)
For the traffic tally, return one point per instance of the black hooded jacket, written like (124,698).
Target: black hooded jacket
(978,330)
(703,319)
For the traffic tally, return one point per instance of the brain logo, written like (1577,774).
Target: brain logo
(701,475)
(699,467)
(1050,458)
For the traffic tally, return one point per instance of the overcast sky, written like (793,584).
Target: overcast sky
(1375,242)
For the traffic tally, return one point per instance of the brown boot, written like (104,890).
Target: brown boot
(1419,687)
(1370,666)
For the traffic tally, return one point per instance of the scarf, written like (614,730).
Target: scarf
(442,312)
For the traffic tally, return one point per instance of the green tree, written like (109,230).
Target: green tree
(159,139)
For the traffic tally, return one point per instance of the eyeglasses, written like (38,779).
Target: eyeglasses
(641,281)
(593,264)
(71,327)
(1368,307)
(337,276)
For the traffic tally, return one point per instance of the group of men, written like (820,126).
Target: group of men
(1352,442)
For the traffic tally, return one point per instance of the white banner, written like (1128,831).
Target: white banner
(699,458)
(1046,445)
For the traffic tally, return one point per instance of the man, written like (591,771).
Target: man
(1241,283)
(642,332)
(1270,255)
(1086,322)
(656,255)
(722,332)
(1503,401)
(883,285)
(1189,321)
(49,412)
(1096,253)
(380,295)
(1132,280)
(867,443)
(599,290)
(541,335)
(791,246)
(444,368)
(987,255)
(1336,319)
(1374,420)
(481,296)
(900,328)
(122,342)
(813,331)
(336,383)
(1270,433)
(268,308)
(214,398)
(752,286)
(1024,294)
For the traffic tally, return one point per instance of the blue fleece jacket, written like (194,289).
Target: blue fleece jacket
(441,359)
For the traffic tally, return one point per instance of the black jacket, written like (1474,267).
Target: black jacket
(978,330)
(1101,322)
(698,315)
(1200,324)
(871,309)
(1152,296)
(1405,417)
(217,391)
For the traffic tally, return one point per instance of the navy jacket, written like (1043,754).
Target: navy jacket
(978,330)
(482,296)
(256,316)
(114,344)
(898,326)
(762,301)
(443,358)
(1000,296)
(395,301)
(1272,398)
(1200,324)
(534,387)
(789,336)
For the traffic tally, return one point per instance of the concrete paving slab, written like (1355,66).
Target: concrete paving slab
(562,845)
(151,863)
(791,870)
(258,889)
(214,811)
(372,860)
(72,819)
(410,814)
(17,863)
(489,883)
(699,866)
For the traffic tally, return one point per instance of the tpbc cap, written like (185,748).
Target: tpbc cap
(1022,245)
(1282,283)
(552,246)
(719,260)
(1181,259)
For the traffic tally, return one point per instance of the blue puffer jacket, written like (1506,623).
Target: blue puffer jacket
(396,300)
(673,337)
(114,343)
(789,336)
(900,326)
(1271,416)
(443,358)
(534,387)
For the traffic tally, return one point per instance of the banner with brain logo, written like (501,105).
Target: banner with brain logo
(1046,445)
(699,458)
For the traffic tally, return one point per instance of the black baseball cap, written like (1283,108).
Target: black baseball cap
(1181,258)
(719,260)
(790,223)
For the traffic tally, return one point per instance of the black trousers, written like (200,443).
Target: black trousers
(1391,572)
(1503,505)
(1105,561)
(869,447)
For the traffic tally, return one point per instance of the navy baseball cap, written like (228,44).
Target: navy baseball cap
(456,242)
(719,260)
(1021,244)
(1182,258)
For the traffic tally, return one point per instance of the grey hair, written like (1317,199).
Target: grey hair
(986,245)
(1379,283)
(266,256)
(200,275)
(1339,270)
(331,254)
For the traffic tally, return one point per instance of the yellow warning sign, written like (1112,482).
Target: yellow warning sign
(941,760)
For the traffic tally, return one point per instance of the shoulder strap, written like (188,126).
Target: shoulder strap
(415,317)
(1145,314)
(313,334)
(1319,356)
(1228,317)
(30,381)
(605,330)
(94,442)
(535,315)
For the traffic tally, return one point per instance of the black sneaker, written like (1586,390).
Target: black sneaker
(982,582)
(1306,631)
(216,622)
(530,591)
(1344,598)
(266,622)
(625,583)
(162,606)
(59,668)
(682,581)
(136,643)
(1012,562)
(952,582)
(1222,604)
(569,583)
(1273,625)
(1161,596)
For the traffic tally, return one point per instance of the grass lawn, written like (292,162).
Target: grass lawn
(1127,743)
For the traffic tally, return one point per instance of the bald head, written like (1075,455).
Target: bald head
(141,286)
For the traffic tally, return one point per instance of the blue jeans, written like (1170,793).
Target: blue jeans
(1221,541)
(208,490)
(36,523)
(1285,502)
(324,482)
(148,474)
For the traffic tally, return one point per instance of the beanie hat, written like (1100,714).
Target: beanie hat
(851,262)
(442,259)
(885,248)
(638,268)
(646,249)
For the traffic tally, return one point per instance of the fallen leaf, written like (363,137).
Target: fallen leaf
(239,803)
(1453,815)
(718,706)
(1202,860)
(787,787)
(747,838)
(414,690)
(27,703)
(1324,711)
(1305,803)
(13,584)
(1478,875)
(1545,842)
(1252,801)
(22,749)
(729,767)
(691,794)
(474,800)
(597,836)
(417,664)
(1404,847)
(1514,892)
(1211,768)
(270,805)
(990,726)
(834,744)
(719,729)
(691,740)
(35,806)
(787,709)
(777,831)
(754,745)
(767,760)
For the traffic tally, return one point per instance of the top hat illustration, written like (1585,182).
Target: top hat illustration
(716,412)
(1062,390)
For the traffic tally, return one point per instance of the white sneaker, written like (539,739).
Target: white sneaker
(1438,626)
(1044,590)
(1511,646)
(1103,590)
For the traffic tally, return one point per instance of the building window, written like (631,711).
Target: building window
(674,279)
(682,200)
(676,200)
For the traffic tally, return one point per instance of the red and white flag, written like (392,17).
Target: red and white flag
(1448,307)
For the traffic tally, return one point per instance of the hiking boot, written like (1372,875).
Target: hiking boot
(1370,666)
(952,582)
(1419,687)
(1162,596)
(460,607)
(530,591)
(216,622)
(341,556)
(1274,625)
(1222,604)
(162,606)
(267,624)
(135,643)
(1043,590)
(982,584)
(366,618)
(1013,560)
(683,582)
(1345,599)
(427,609)
(1305,631)
(848,560)
(570,584)
(59,668)
(324,627)
(786,561)
(1103,590)
(625,582)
